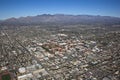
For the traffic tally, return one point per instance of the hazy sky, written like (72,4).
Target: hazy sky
(18,8)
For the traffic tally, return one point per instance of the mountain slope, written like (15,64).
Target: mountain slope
(61,19)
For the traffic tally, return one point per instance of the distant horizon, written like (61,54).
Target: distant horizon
(57,14)
(23,8)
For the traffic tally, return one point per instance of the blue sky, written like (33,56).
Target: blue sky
(19,8)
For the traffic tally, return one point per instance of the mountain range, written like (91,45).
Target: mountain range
(61,19)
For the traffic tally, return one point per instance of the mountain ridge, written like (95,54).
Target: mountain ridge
(61,19)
